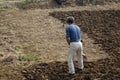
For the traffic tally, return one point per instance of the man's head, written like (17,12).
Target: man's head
(70,20)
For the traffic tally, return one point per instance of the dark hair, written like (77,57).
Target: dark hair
(70,20)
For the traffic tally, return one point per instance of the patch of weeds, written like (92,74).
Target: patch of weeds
(28,56)
(17,48)
(21,57)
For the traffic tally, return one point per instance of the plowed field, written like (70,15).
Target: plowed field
(104,28)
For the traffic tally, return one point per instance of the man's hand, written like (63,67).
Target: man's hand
(81,40)
(68,40)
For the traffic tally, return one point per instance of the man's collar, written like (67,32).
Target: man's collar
(71,24)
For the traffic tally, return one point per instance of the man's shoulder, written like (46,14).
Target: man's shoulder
(72,26)
(75,25)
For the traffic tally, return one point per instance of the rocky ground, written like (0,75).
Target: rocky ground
(42,32)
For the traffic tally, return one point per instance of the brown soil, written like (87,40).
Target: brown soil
(103,27)
(38,32)
(52,4)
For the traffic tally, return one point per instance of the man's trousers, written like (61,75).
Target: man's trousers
(75,47)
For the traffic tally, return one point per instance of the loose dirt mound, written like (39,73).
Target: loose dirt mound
(103,27)
(58,71)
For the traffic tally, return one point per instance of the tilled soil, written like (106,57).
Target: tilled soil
(52,4)
(103,27)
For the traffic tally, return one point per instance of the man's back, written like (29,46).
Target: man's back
(73,32)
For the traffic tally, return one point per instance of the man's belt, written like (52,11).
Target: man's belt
(75,41)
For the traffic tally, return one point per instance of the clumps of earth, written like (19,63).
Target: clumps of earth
(104,28)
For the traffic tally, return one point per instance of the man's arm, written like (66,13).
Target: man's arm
(68,40)
(68,35)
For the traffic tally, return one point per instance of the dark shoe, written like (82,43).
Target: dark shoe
(71,75)
(79,70)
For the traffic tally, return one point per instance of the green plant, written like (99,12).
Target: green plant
(21,57)
(17,48)
(28,56)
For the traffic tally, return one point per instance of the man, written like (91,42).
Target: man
(73,38)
